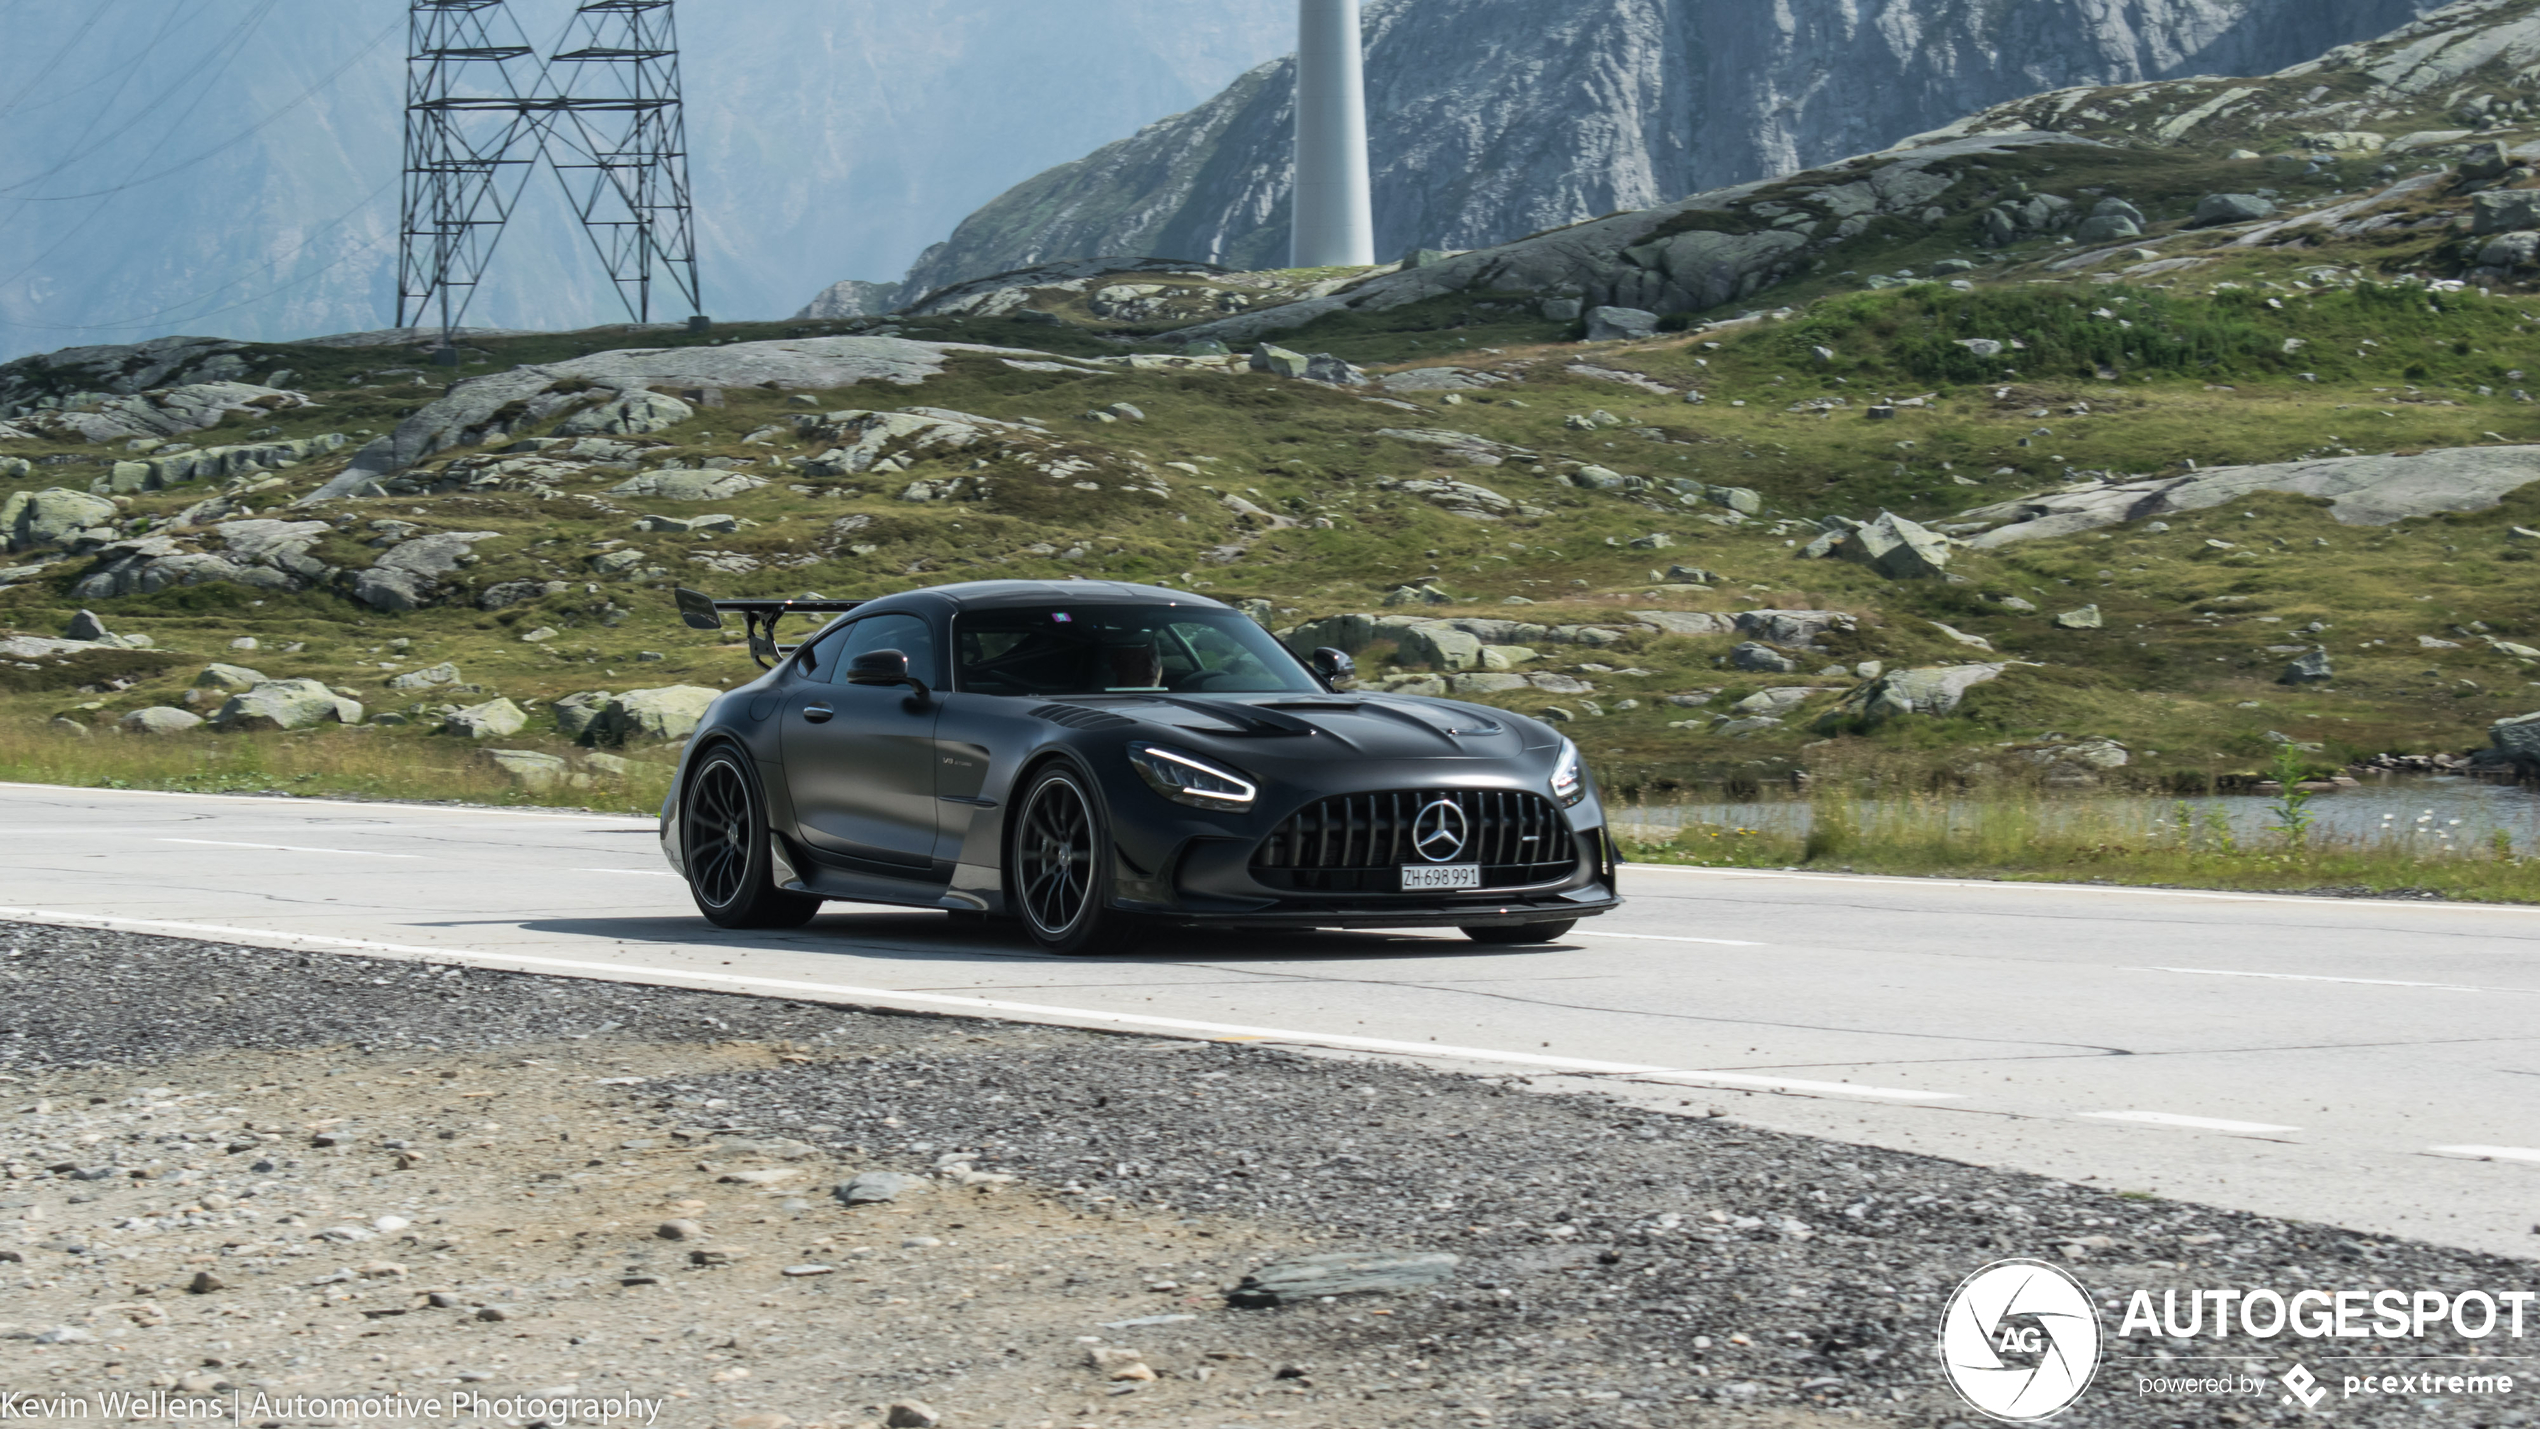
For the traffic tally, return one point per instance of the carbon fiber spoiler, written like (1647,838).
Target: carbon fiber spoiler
(700,611)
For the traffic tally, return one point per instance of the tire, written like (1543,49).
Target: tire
(723,840)
(1058,868)
(1519,932)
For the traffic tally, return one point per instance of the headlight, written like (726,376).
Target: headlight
(1569,779)
(1189,779)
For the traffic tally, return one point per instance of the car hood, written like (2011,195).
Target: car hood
(1303,726)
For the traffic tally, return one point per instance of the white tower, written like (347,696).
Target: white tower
(1335,217)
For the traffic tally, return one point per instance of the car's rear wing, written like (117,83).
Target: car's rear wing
(703,612)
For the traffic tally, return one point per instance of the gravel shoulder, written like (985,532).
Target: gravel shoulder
(233,1171)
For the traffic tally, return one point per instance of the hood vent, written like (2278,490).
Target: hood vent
(1079,717)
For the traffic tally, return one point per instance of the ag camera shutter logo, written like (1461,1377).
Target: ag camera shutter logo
(2019,1341)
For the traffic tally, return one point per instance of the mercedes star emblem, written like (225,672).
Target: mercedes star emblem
(1440,831)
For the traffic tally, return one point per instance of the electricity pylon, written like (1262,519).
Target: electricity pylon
(482,110)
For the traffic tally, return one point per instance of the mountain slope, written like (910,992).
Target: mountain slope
(1495,118)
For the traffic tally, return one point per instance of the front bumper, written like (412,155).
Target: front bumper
(1212,882)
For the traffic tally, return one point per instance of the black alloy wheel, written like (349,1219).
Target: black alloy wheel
(1519,932)
(1059,872)
(724,841)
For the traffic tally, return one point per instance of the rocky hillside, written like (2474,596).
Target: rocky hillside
(1497,118)
(2135,452)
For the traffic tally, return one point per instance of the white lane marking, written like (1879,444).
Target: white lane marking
(2357,981)
(632,872)
(1023,1010)
(1742,1080)
(383,809)
(290,848)
(1990,886)
(2192,1123)
(1663,938)
(2488,1153)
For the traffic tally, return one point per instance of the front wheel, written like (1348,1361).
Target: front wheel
(1058,869)
(724,838)
(1519,932)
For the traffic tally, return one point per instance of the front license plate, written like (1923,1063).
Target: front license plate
(1442,875)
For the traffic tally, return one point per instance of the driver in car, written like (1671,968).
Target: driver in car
(1130,662)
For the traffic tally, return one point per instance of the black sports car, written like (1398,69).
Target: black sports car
(1096,759)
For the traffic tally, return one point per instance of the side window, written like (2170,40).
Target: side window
(904,633)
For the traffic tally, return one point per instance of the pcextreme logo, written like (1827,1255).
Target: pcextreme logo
(2019,1341)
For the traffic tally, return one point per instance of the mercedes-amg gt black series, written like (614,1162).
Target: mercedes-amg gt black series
(1097,760)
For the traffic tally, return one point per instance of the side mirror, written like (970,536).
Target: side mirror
(1333,666)
(883,667)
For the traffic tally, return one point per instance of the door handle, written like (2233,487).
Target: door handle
(818,714)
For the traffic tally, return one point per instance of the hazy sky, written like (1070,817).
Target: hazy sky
(230,166)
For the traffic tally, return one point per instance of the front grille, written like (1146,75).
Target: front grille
(1357,843)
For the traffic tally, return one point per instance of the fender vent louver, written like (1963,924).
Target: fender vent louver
(1079,717)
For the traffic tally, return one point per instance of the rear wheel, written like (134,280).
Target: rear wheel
(1519,932)
(724,841)
(1058,869)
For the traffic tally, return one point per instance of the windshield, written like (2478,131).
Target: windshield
(1121,649)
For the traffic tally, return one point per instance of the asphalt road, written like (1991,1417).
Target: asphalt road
(2374,1065)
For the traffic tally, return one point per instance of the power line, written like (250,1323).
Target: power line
(96,13)
(232,44)
(233,141)
(145,319)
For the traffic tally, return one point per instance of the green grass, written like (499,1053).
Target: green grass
(2025,834)
(365,763)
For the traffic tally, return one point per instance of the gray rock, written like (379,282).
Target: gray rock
(1439,645)
(1792,627)
(160,719)
(1935,691)
(530,768)
(286,704)
(630,414)
(689,525)
(2105,208)
(1774,702)
(576,713)
(911,1414)
(1752,724)
(2311,669)
(1896,548)
(2505,210)
(1278,361)
(1332,371)
(2107,229)
(1561,310)
(1763,658)
(2517,738)
(877,1187)
(689,484)
(851,298)
(494,719)
(1610,324)
(1686,622)
(671,712)
(485,409)
(1981,346)
(50,517)
(2364,491)
(427,678)
(2086,618)
(2214,210)
(86,626)
(229,677)
(2512,250)
(1314,1277)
